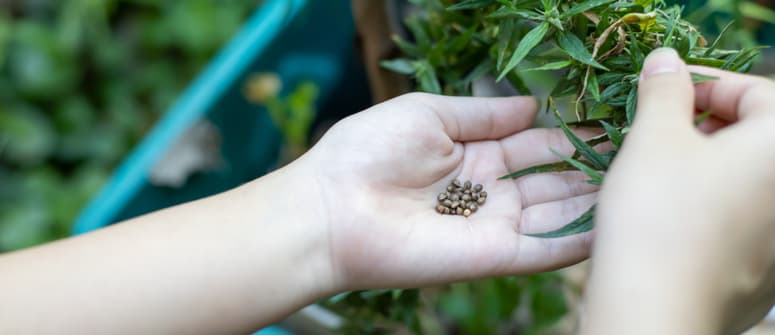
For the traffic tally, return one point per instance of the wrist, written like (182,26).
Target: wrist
(287,207)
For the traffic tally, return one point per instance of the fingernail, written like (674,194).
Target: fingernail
(662,60)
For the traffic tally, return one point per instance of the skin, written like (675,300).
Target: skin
(678,250)
(355,212)
(702,259)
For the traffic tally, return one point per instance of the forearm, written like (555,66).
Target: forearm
(635,294)
(229,263)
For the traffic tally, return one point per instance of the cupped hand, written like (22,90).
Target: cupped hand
(686,219)
(380,171)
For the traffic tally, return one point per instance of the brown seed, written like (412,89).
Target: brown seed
(455,204)
(442,196)
(478,188)
(447,203)
(459,211)
(466,212)
(447,210)
(483,194)
(475,196)
(467,191)
(454,197)
(455,183)
(464,204)
(472,206)
(440,209)
(450,188)
(467,185)
(481,201)
(466,197)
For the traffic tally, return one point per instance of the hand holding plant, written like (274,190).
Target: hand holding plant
(685,219)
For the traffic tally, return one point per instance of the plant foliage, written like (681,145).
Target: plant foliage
(595,47)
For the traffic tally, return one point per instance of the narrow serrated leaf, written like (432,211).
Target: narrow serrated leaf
(530,41)
(504,41)
(593,86)
(584,149)
(583,7)
(426,77)
(544,168)
(575,48)
(550,66)
(596,178)
(632,105)
(715,43)
(614,134)
(506,12)
(582,224)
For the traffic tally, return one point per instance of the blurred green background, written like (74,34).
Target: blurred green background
(81,81)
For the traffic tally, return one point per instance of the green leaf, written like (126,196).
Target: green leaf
(530,41)
(400,65)
(632,105)
(614,134)
(426,76)
(705,61)
(544,168)
(506,12)
(574,47)
(583,7)
(668,42)
(584,223)
(715,43)
(584,149)
(470,4)
(504,40)
(550,66)
(698,78)
(596,178)
(593,86)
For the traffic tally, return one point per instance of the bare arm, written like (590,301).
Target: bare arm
(235,261)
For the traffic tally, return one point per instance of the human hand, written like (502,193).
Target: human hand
(685,220)
(379,172)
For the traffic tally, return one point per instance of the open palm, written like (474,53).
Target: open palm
(379,173)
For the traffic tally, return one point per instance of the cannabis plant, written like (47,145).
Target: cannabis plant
(596,47)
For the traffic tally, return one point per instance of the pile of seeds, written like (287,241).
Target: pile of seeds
(461,198)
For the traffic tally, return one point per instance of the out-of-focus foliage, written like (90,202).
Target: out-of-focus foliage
(292,114)
(509,305)
(81,81)
(753,21)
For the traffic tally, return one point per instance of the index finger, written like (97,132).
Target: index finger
(733,96)
(478,118)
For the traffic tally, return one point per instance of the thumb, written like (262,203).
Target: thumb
(665,94)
